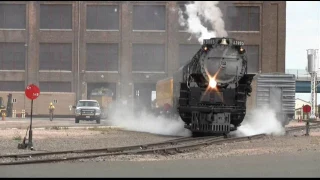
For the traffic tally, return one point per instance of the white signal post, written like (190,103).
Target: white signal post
(312,69)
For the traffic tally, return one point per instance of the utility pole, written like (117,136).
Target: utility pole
(312,69)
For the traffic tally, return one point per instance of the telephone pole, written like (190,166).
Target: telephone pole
(312,69)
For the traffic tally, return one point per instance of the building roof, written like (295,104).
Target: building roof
(302,100)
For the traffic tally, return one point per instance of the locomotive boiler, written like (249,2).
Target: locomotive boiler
(209,93)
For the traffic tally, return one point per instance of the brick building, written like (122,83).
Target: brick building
(69,48)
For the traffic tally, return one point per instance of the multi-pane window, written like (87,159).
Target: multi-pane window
(186,52)
(184,27)
(148,57)
(243,18)
(12,86)
(102,57)
(12,56)
(55,16)
(149,17)
(253,58)
(12,16)
(55,56)
(55,86)
(103,17)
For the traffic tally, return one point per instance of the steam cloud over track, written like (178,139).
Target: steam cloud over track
(210,12)
(146,122)
(262,120)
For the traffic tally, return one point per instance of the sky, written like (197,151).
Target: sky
(302,33)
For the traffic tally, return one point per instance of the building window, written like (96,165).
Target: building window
(149,17)
(12,16)
(12,86)
(148,57)
(104,17)
(186,52)
(55,57)
(55,86)
(14,100)
(55,16)
(243,18)
(102,57)
(55,101)
(253,58)
(184,27)
(12,56)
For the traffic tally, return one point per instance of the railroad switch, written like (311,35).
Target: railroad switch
(24,144)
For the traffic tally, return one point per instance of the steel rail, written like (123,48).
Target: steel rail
(288,129)
(111,149)
(141,149)
(179,148)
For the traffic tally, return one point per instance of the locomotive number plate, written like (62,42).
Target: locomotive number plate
(208,41)
(238,43)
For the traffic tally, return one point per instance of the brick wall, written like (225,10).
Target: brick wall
(41,104)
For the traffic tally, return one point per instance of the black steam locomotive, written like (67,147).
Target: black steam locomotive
(210,92)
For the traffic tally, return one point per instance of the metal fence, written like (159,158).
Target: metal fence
(301,74)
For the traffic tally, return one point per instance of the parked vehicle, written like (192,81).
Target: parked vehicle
(88,110)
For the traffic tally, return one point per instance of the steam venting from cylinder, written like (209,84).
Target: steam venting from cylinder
(210,12)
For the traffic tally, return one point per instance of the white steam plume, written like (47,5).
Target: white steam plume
(210,12)
(262,121)
(123,117)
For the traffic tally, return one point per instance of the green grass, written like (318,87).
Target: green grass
(99,129)
(17,138)
(57,128)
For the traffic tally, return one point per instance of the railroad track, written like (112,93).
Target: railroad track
(112,149)
(289,129)
(170,146)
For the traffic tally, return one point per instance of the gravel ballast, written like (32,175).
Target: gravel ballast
(71,139)
(292,143)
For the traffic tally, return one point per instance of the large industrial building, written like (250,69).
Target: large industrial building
(68,48)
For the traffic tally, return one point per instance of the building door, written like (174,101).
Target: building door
(143,95)
(92,86)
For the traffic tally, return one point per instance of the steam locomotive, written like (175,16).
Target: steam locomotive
(209,93)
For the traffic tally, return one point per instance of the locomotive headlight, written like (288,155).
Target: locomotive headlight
(205,48)
(212,83)
(242,50)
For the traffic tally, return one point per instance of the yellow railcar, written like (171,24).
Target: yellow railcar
(104,98)
(164,95)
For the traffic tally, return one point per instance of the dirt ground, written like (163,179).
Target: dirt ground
(62,138)
(57,138)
